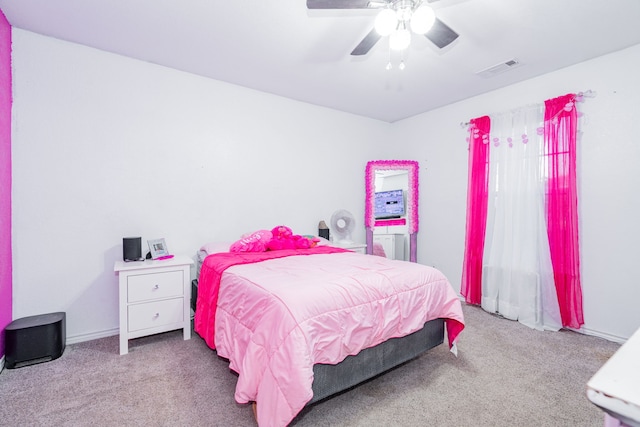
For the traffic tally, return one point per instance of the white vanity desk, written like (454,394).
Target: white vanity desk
(616,386)
(394,241)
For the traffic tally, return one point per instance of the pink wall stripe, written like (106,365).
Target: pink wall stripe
(5,178)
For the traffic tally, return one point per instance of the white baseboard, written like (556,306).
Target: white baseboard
(92,336)
(111,332)
(606,336)
(585,331)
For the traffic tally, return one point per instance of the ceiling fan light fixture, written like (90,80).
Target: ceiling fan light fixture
(404,13)
(400,39)
(422,19)
(395,15)
(386,22)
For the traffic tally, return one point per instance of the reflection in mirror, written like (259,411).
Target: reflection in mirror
(391,206)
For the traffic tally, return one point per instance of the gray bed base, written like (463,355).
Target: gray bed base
(370,362)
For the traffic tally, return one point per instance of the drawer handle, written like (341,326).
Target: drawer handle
(156,287)
(155,316)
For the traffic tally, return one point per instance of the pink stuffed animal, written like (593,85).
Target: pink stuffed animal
(283,238)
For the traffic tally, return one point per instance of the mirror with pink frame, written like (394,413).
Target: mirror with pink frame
(380,177)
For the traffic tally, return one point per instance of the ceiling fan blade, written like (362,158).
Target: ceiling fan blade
(441,34)
(337,4)
(367,43)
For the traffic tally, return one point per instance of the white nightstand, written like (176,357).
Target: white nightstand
(154,297)
(360,248)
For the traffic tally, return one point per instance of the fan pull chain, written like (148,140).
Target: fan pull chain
(402,65)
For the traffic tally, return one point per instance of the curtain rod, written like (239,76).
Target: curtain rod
(586,94)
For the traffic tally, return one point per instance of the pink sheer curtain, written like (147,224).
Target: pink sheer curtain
(559,168)
(560,131)
(477,197)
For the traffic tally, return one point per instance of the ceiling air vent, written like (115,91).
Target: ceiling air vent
(499,68)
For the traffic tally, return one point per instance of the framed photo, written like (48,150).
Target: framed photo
(158,248)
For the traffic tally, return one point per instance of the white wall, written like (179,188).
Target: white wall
(106,147)
(609,176)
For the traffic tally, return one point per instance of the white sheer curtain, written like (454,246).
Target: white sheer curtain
(517,279)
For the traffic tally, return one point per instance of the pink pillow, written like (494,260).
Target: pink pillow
(252,242)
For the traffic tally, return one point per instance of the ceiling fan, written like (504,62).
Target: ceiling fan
(439,33)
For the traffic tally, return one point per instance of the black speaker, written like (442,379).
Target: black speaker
(323,230)
(324,233)
(132,248)
(35,339)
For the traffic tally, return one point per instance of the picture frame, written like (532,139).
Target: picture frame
(158,248)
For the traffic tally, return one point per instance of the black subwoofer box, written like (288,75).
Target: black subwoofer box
(35,339)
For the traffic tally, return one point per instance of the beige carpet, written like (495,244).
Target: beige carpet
(505,375)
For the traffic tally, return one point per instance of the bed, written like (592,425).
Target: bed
(299,325)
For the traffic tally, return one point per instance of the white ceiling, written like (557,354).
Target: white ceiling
(281,47)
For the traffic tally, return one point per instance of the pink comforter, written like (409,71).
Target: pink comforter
(276,318)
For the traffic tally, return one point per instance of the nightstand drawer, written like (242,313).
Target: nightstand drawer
(155,314)
(143,287)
